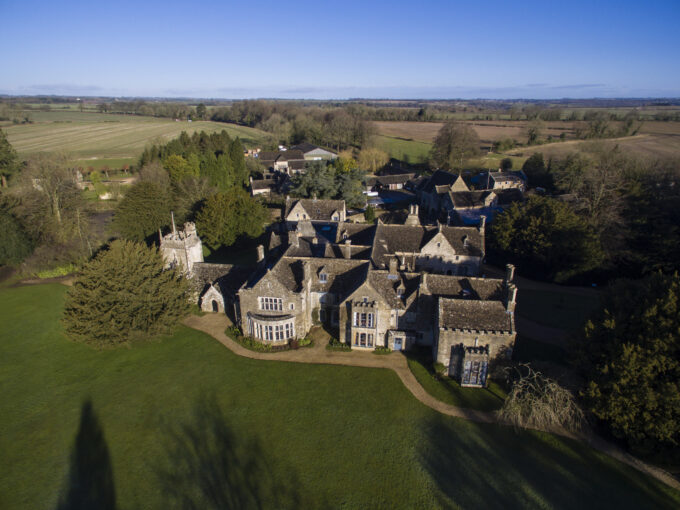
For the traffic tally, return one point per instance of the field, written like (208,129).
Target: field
(90,137)
(654,139)
(160,423)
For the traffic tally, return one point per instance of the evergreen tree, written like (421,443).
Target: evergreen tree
(238,163)
(144,209)
(9,161)
(228,215)
(631,356)
(546,239)
(15,244)
(122,294)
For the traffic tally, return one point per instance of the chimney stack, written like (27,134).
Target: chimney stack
(482,224)
(347,249)
(293,238)
(393,265)
(260,253)
(509,273)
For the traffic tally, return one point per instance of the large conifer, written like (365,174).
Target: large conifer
(122,294)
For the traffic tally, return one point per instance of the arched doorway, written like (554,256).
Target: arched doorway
(215,306)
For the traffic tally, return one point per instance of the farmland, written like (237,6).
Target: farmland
(654,138)
(120,138)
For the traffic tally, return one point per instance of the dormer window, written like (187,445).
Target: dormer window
(323,277)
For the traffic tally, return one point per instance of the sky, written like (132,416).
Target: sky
(337,50)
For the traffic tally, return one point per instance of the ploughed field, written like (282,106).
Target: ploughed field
(92,136)
(182,419)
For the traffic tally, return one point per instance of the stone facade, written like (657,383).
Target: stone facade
(182,247)
(393,286)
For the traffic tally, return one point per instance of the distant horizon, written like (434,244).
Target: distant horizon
(324,51)
(348,99)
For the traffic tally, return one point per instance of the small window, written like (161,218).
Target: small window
(439,245)
(323,277)
(365,299)
(292,306)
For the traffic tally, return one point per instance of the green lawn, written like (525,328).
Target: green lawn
(449,391)
(556,309)
(412,151)
(159,421)
(88,135)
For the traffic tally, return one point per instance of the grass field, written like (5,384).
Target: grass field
(162,420)
(412,151)
(655,139)
(97,135)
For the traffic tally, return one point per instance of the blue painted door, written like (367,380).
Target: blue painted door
(398,344)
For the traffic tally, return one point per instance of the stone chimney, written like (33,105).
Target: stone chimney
(412,218)
(347,249)
(315,240)
(260,254)
(482,224)
(509,273)
(393,265)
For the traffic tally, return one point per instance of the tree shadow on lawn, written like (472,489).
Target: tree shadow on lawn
(208,465)
(90,480)
(496,467)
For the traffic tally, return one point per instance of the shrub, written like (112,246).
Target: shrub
(336,345)
(382,350)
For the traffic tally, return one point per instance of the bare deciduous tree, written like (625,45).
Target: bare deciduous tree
(540,403)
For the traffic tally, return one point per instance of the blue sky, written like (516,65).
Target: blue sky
(300,49)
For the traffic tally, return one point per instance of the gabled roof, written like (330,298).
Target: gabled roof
(387,284)
(317,210)
(290,155)
(463,287)
(361,234)
(306,148)
(505,177)
(466,199)
(474,315)
(442,179)
(508,196)
(390,239)
(257,184)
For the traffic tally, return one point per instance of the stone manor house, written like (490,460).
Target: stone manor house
(377,285)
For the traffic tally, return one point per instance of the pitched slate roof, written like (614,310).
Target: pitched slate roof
(343,276)
(297,164)
(466,199)
(228,277)
(463,287)
(258,184)
(386,180)
(390,239)
(505,177)
(358,233)
(290,155)
(474,315)
(317,210)
(387,284)
(442,179)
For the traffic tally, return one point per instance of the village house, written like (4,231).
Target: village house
(375,183)
(379,285)
(313,152)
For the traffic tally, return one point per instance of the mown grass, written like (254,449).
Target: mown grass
(341,437)
(107,136)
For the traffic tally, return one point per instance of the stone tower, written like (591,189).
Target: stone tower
(182,247)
